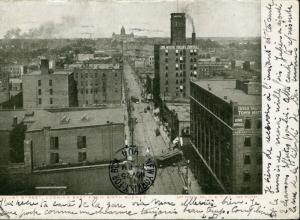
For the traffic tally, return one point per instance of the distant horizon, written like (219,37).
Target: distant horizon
(137,36)
(99,19)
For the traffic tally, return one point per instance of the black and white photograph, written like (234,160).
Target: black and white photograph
(140,97)
(130,97)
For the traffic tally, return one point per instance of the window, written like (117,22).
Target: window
(40,101)
(81,156)
(40,92)
(246,176)
(259,159)
(54,158)
(51,101)
(176,81)
(259,141)
(54,143)
(50,82)
(247,142)
(39,82)
(247,159)
(258,124)
(81,142)
(166,60)
(247,123)
(166,67)
(167,82)
(51,91)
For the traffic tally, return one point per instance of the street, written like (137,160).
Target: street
(168,180)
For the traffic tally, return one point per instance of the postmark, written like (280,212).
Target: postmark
(132,171)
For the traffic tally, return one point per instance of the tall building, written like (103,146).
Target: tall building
(174,66)
(48,89)
(174,63)
(99,84)
(178,23)
(226,155)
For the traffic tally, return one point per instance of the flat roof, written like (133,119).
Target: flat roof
(58,72)
(182,110)
(77,118)
(221,88)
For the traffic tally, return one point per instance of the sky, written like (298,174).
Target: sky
(100,18)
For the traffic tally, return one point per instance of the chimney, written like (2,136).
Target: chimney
(193,38)
(45,66)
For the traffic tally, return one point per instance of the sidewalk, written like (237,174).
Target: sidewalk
(193,186)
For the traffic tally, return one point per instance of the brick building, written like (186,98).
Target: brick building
(175,63)
(226,141)
(208,68)
(48,89)
(74,137)
(99,84)
(178,26)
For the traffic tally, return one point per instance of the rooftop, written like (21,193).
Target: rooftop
(222,88)
(38,72)
(77,118)
(7,116)
(182,110)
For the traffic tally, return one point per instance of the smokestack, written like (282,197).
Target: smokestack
(193,38)
(45,66)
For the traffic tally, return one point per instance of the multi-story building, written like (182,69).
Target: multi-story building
(74,137)
(178,28)
(99,84)
(174,63)
(15,86)
(174,66)
(4,86)
(226,135)
(208,68)
(48,89)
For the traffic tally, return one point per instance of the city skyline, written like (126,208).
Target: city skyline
(76,19)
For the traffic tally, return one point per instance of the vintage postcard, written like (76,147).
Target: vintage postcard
(149,109)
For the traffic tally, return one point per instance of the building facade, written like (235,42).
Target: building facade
(4,86)
(74,137)
(174,65)
(178,28)
(226,136)
(99,84)
(208,68)
(46,89)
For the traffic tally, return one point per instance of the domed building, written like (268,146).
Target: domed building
(123,36)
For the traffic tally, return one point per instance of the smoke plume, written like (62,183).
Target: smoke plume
(190,19)
(47,30)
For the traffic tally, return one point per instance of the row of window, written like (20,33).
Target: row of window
(40,82)
(54,142)
(181,60)
(50,91)
(247,159)
(177,81)
(248,123)
(50,101)
(54,157)
(248,141)
(94,91)
(90,75)
(247,177)
(182,67)
(182,52)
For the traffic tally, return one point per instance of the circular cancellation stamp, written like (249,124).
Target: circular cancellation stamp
(132,172)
